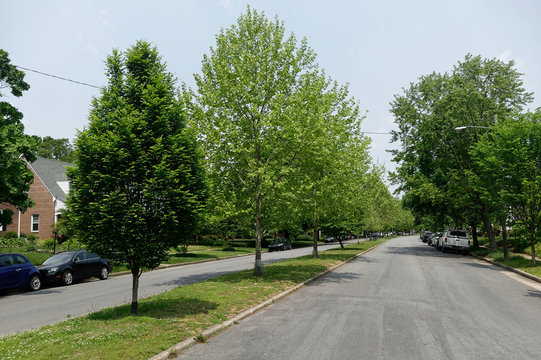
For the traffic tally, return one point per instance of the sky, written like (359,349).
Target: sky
(377,47)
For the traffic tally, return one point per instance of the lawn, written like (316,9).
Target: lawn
(516,261)
(170,317)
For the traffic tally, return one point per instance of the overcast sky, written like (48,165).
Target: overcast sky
(378,47)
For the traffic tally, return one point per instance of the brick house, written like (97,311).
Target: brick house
(49,192)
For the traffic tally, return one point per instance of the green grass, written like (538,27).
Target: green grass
(35,257)
(516,261)
(168,318)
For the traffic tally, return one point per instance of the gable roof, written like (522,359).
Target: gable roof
(51,172)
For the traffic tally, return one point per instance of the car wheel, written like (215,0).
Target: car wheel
(104,273)
(442,249)
(67,278)
(35,283)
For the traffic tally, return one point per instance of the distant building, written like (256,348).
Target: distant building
(49,192)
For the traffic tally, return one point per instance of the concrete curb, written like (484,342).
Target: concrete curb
(164,355)
(509,268)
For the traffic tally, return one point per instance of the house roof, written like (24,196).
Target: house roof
(51,172)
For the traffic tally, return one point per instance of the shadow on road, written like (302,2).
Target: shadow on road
(423,250)
(534,293)
(334,277)
(478,265)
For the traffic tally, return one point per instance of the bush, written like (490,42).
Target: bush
(31,243)
(48,244)
(10,235)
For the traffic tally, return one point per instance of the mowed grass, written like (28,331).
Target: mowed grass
(516,261)
(170,317)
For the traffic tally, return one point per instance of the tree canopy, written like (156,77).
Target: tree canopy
(15,146)
(138,188)
(509,159)
(435,167)
(268,116)
(57,149)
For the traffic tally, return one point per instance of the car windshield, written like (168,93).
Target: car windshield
(459,233)
(278,241)
(58,258)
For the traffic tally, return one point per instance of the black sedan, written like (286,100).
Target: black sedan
(280,244)
(66,267)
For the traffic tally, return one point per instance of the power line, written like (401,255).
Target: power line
(59,77)
(99,87)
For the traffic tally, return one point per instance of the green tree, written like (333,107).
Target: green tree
(435,168)
(15,146)
(250,116)
(510,159)
(138,188)
(57,149)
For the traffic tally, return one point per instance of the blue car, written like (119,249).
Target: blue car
(16,271)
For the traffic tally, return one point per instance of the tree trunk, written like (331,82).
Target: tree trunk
(135,273)
(504,236)
(474,235)
(489,230)
(315,254)
(258,266)
(532,242)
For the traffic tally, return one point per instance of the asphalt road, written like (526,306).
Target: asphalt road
(403,300)
(30,310)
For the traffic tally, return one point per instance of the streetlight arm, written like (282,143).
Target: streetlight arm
(471,126)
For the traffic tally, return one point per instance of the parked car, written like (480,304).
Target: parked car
(16,271)
(66,267)
(329,239)
(425,236)
(280,244)
(434,238)
(456,240)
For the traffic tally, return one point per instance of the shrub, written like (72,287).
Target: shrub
(48,244)
(10,235)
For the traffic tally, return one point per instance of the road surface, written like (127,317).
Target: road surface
(403,300)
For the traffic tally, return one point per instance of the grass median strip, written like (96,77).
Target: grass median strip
(170,317)
(516,261)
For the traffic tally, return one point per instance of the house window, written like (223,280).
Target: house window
(35,222)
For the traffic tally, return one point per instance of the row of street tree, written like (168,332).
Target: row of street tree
(470,154)
(265,143)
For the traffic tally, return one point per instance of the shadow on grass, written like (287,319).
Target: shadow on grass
(161,308)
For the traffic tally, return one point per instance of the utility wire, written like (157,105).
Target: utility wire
(59,77)
(99,87)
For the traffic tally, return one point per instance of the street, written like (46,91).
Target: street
(30,310)
(403,300)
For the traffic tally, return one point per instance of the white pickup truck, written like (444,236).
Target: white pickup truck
(457,240)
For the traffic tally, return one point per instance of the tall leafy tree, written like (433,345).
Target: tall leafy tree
(138,188)
(435,167)
(57,149)
(510,161)
(248,112)
(15,146)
